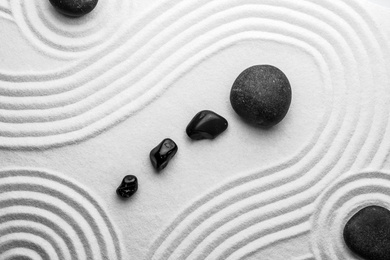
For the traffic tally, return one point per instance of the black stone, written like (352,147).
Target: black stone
(128,187)
(261,95)
(74,8)
(367,233)
(206,125)
(163,153)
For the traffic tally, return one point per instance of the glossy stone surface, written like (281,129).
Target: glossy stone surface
(261,95)
(163,153)
(128,187)
(367,233)
(206,125)
(74,8)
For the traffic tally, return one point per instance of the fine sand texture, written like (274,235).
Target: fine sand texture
(83,101)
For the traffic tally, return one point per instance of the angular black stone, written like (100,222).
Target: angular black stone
(163,153)
(261,95)
(128,187)
(74,8)
(206,125)
(367,233)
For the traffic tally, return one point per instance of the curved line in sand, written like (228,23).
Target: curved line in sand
(48,193)
(170,249)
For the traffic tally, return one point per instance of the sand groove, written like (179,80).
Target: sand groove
(65,38)
(338,203)
(122,75)
(233,223)
(76,113)
(54,217)
(5,11)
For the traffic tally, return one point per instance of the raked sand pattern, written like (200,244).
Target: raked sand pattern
(346,196)
(266,206)
(132,68)
(65,38)
(44,216)
(111,78)
(5,10)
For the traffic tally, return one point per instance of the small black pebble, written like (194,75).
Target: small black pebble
(367,233)
(74,8)
(261,95)
(206,125)
(128,187)
(163,153)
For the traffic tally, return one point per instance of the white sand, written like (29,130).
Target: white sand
(83,101)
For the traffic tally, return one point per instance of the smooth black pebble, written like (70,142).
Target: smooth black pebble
(74,8)
(261,95)
(128,187)
(206,125)
(367,233)
(163,153)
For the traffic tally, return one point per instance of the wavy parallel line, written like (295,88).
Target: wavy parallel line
(42,127)
(383,140)
(32,198)
(280,167)
(112,52)
(225,255)
(5,11)
(257,237)
(64,100)
(380,71)
(132,62)
(48,235)
(23,116)
(45,28)
(111,46)
(37,244)
(339,202)
(18,103)
(4,6)
(22,209)
(84,34)
(36,132)
(21,254)
(43,142)
(233,201)
(40,35)
(78,247)
(252,228)
(247,251)
(78,79)
(123,53)
(246,231)
(70,27)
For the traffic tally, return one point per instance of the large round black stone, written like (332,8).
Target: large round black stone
(74,8)
(261,95)
(367,233)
